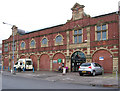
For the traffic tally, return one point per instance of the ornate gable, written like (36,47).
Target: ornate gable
(77,11)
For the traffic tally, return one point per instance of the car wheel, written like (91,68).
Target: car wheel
(93,73)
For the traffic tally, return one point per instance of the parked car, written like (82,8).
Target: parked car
(90,68)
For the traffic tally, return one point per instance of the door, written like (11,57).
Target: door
(76,60)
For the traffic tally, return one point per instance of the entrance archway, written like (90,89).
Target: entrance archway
(105,59)
(77,58)
(44,62)
(55,63)
(6,63)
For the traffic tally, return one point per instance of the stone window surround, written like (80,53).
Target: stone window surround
(44,45)
(101,31)
(24,46)
(30,44)
(6,47)
(58,43)
(77,35)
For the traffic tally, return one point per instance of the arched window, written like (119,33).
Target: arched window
(32,44)
(44,41)
(22,45)
(58,39)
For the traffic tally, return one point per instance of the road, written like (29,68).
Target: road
(16,82)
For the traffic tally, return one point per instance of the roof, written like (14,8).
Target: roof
(105,14)
(44,29)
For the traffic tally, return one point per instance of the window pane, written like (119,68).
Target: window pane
(59,39)
(6,47)
(98,28)
(80,39)
(99,36)
(80,31)
(75,32)
(44,41)
(22,44)
(75,39)
(32,43)
(104,35)
(103,27)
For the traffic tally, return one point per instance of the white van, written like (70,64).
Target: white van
(27,64)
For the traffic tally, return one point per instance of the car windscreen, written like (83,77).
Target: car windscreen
(28,63)
(86,64)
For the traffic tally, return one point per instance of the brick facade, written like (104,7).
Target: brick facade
(0,53)
(44,55)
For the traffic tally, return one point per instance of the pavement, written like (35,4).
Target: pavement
(105,80)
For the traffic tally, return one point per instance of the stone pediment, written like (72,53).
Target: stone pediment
(77,12)
(76,6)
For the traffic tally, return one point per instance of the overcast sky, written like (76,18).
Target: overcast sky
(30,15)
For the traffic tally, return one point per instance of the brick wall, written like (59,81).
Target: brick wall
(64,49)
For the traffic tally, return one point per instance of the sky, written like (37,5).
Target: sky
(31,15)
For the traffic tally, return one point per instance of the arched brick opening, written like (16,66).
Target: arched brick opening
(34,59)
(44,63)
(22,56)
(55,64)
(105,59)
(77,58)
(6,63)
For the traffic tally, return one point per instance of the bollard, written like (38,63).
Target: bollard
(11,71)
(8,68)
(33,69)
(64,71)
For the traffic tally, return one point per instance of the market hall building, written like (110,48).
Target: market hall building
(81,39)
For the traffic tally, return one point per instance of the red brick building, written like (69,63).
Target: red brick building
(0,53)
(81,39)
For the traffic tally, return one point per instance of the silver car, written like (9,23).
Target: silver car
(90,68)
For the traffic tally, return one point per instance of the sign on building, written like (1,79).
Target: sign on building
(101,58)
(59,60)
(54,61)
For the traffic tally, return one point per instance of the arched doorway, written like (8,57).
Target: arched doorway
(34,59)
(105,59)
(56,58)
(44,63)
(77,58)
(6,63)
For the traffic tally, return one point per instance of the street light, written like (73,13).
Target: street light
(13,44)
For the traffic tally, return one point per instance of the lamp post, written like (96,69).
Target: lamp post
(15,30)
(13,51)
(12,70)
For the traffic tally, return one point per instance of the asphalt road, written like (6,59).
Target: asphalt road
(15,82)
